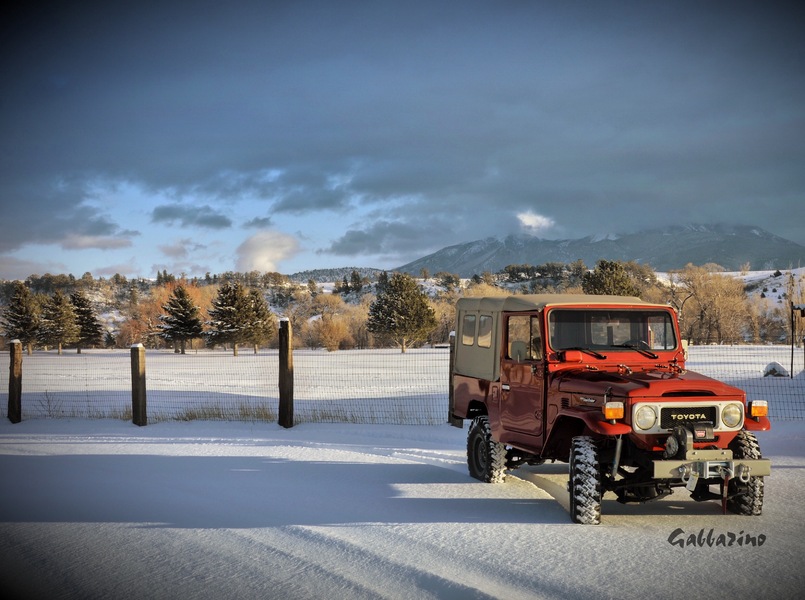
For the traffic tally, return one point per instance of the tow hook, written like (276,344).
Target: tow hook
(684,473)
(743,473)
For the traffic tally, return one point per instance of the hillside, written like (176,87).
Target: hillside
(666,249)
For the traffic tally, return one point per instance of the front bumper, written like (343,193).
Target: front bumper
(711,464)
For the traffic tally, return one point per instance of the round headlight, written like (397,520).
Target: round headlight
(731,415)
(645,417)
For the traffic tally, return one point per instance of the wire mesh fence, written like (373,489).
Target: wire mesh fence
(372,386)
(354,386)
(746,367)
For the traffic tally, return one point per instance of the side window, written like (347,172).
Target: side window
(485,331)
(524,340)
(518,337)
(468,330)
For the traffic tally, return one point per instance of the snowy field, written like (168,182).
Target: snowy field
(100,508)
(356,386)
(104,509)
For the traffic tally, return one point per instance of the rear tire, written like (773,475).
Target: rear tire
(585,482)
(745,498)
(486,458)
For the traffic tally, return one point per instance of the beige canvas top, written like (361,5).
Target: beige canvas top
(482,362)
(539,301)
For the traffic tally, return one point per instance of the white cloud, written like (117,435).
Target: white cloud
(264,250)
(534,223)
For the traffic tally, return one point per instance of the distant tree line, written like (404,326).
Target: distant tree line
(235,309)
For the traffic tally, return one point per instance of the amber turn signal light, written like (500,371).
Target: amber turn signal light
(613,410)
(758,408)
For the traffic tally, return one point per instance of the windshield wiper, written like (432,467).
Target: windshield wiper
(587,351)
(642,351)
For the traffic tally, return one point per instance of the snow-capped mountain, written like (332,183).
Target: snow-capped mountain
(732,247)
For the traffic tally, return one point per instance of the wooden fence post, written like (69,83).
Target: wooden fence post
(15,382)
(139,415)
(455,422)
(286,375)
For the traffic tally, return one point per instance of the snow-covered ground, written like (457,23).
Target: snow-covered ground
(104,509)
(100,508)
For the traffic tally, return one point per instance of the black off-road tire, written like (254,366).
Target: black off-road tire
(745,498)
(486,458)
(584,485)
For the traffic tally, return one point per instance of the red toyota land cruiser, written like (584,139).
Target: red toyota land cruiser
(600,382)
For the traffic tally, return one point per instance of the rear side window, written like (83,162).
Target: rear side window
(485,331)
(468,330)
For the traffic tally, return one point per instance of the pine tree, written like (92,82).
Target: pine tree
(181,321)
(382,282)
(261,326)
(20,319)
(312,288)
(239,317)
(355,282)
(609,277)
(401,312)
(57,325)
(228,322)
(90,332)
(109,340)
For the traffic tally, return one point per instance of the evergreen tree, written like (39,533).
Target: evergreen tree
(229,316)
(90,332)
(355,282)
(181,321)
(401,312)
(57,325)
(261,326)
(20,319)
(382,282)
(239,317)
(609,277)
(109,340)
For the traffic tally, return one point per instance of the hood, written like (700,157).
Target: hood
(638,384)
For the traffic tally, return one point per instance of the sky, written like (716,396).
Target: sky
(205,137)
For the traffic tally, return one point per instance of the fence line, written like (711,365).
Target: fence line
(352,386)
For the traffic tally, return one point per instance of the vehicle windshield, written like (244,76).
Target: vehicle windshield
(611,329)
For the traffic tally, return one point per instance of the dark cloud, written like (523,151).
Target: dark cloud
(38,213)
(435,123)
(258,223)
(382,237)
(191,216)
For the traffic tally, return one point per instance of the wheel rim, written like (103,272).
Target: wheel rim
(479,454)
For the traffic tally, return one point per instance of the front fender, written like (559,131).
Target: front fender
(757,424)
(595,422)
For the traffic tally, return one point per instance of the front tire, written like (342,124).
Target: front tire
(745,498)
(585,482)
(486,458)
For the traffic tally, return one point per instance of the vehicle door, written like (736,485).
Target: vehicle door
(522,375)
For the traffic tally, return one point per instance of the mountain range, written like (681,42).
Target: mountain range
(730,246)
